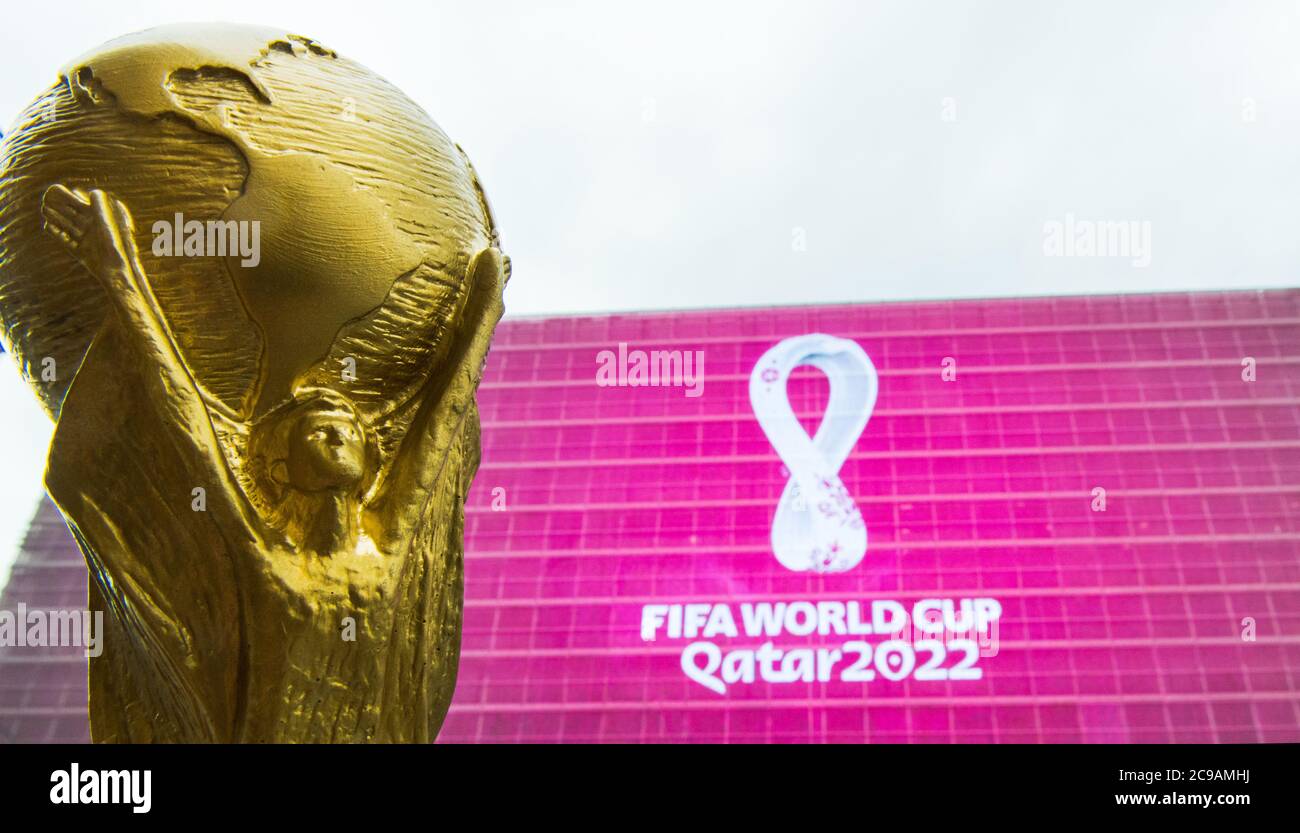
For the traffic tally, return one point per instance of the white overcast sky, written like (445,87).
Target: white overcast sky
(656,155)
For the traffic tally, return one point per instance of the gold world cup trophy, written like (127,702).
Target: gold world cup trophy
(254,285)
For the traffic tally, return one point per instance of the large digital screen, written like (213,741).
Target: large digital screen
(1068,519)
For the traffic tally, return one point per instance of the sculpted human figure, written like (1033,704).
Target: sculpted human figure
(331,541)
(264,460)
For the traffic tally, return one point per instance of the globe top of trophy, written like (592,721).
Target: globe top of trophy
(366,214)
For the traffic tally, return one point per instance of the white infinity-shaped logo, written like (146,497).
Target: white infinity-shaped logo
(817,525)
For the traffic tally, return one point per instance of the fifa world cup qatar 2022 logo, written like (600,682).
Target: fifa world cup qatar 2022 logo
(817,526)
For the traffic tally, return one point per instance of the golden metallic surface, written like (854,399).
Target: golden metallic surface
(264,457)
